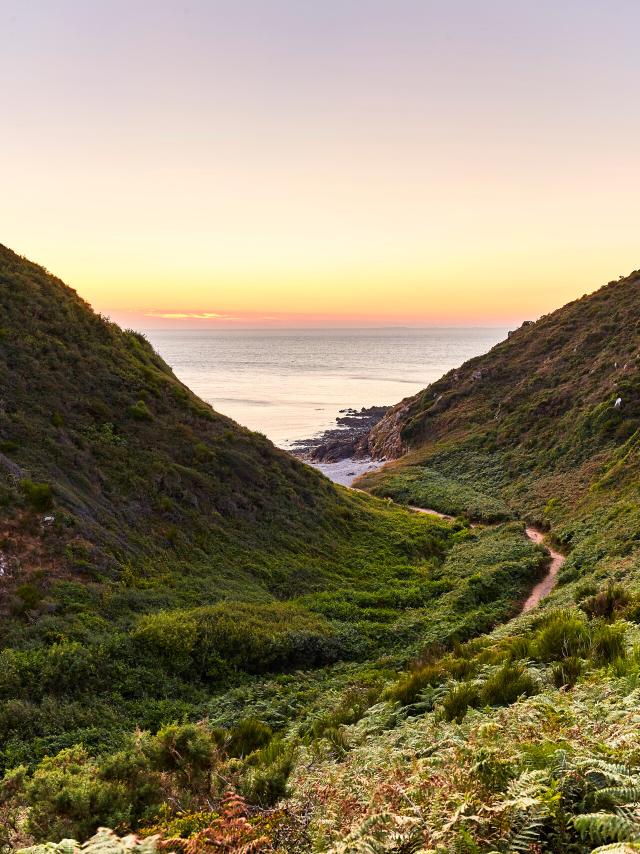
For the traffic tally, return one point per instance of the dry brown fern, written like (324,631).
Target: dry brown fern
(230,833)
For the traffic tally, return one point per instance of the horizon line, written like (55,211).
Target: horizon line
(321,328)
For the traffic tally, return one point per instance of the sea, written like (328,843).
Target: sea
(291,384)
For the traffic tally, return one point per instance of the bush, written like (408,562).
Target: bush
(460,668)
(265,781)
(408,688)
(140,411)
(458,700)
(507,684)
(607,602)
(187,750)
(38,495)
(30,596)
(248,736)
(608,643)
(516,648)
(565,635)
(67,798)
(565,673)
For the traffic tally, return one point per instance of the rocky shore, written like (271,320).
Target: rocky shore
(347,440)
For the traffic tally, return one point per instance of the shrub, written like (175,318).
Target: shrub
(632,611)
(265,781)
(169,635)
(516,648)
(564,635)
(565,673)
(408,688)
(608,644)
(607,602)
(458,700)
(459,668)
(505,685)
(67,798)
(29,594)
(38,495)
(247,736)
(185,749)
(140,411)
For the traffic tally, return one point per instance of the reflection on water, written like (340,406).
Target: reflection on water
(290,384)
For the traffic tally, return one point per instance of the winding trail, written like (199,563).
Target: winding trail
(543,587)
(430,512)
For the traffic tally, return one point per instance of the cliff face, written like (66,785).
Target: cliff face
(384,441)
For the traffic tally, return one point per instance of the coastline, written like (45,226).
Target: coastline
(347,470)
(340,453)
(347,439)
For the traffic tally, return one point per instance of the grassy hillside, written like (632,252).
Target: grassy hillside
(163,568)
(228,653)
(544,426)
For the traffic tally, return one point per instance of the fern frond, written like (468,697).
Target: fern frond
(614,773)
(529,834)
(618,848)
(601,827)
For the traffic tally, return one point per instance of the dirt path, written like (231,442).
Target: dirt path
(544,587)
(430,512)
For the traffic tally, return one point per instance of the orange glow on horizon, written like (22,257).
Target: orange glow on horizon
(323,164)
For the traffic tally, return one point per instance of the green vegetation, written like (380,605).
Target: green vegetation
(428,488)
(207,643)
(183,563)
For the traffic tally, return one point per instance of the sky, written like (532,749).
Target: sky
(344,162)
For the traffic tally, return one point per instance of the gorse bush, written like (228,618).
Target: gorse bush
(606,603)
(407,690)
(67,798)
(38,495)
(507,684)
(563,635)
(265,780)
(566,673)
(249,735)
(140,411)
(458,700)
(186,750)
(608,643)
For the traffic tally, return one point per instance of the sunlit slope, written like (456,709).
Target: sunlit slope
(545,425)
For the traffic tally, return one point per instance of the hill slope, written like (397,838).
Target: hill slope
(135,462)
(203,614)
(544,426)
(156,557)
(97,432)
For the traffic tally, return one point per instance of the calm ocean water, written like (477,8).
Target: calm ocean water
(290,384)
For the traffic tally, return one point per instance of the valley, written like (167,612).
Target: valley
(207,643)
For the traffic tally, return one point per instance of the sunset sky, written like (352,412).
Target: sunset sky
(347,162)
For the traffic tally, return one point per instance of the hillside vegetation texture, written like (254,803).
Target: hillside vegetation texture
(208,647)
(161,567)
